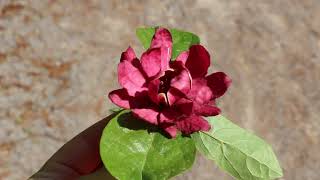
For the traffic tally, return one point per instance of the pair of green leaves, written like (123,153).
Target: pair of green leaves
(181,40)
(133,150)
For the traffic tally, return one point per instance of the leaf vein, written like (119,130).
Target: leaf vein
(239,150)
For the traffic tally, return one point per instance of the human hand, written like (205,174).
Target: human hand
(77,159)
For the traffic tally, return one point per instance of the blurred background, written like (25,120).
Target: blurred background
(58,61)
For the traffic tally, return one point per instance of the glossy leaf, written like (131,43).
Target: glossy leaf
(182,40)
(237,151)
(145,35)
(133,150)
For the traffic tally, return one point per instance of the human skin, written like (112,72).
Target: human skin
(79,158)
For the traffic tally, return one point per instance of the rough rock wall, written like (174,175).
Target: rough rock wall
(58,59)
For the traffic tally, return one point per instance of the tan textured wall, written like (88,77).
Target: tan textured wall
(58,60)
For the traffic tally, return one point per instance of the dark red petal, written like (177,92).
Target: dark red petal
(171,130)
(165,58)
(200,92)
(182,57)
(180,86)
(120,97)
(163,40)
(169,115)
(182,81)
(128,55)
(173,95)
(130,77)
(148,114)
(153,89)
(151,62)
(153,92)
(141,100)
(193,124)
(184,106)
(206,109)
(162,37)
(218,83)
(198,61)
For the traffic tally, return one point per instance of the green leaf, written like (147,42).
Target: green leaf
(182,40)
(133,150)
(145,35)
(237,151)
(115,109)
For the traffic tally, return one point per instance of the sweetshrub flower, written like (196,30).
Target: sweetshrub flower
(174,95)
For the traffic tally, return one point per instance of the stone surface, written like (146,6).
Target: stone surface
(58,61)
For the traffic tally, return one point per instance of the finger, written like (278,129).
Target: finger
(79,156)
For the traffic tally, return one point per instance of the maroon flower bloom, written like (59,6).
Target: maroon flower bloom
(174,95)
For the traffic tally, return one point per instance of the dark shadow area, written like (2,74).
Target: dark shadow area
(99,174)
(129,121)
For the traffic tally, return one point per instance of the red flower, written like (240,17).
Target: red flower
(171,94)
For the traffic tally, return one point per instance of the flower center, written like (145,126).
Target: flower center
(165,81)
(164,87)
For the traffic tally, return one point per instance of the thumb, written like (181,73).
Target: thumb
(78,157)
